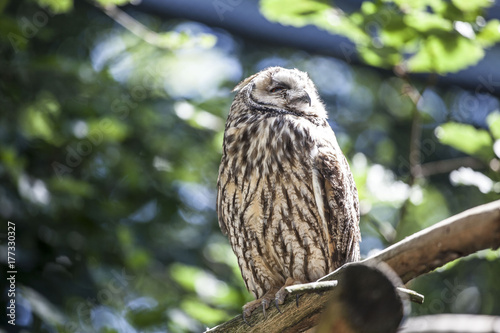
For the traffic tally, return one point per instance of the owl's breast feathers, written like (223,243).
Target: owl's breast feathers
(286,199)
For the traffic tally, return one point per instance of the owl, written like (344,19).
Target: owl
(286,197)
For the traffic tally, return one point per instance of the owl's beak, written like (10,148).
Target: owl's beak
(303,97)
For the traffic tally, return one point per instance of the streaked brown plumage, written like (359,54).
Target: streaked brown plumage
(286,197)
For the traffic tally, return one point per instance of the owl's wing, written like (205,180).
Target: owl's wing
(220,203)
(339,197)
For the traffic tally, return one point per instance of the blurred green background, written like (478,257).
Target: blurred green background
(110,140)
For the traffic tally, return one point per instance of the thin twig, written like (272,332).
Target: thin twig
(413,295)
(445,166)
(415,157)
(316,287)
(313,287)
(415,137)
(132,25)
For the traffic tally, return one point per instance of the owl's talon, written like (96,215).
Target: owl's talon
(297,300)
(245,319)
(277,305)
(264,307)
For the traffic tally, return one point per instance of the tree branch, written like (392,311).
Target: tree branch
(412,295)
(446,323)
(460,235)
(316,287)
(165,40)
(132,25)
(445,166)
(475,229)
(313,287)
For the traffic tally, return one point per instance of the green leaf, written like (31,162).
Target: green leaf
(390,28)
(416,4)
(426,22)
(472,5)
(398,35)
(185,275)
(493,121)
(114,2)
(144,317)
(203,312)
(292,12)
(138,259)
(38,120)
(467,139)
(57,6)
(11,161)
(385,57)
(445,54)
(72,186)
(125,236)
(369,8)
(490,34)
(108,129)
(299,13)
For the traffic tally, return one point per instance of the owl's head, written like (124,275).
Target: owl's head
(281,90)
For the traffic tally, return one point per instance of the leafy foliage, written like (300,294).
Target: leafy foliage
(472,141)
(418,36)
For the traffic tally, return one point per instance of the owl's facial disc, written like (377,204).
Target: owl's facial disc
(287,89)
(289,96)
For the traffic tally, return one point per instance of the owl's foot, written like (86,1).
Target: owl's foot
(282,293)
(275,294)
(263,302)
(276,303)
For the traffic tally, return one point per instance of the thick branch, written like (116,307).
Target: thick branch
(460,235)
(475,229)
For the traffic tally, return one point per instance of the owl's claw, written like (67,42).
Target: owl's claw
(245,319)
(265,305)
(297,300)
(276,303)
(263,302)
